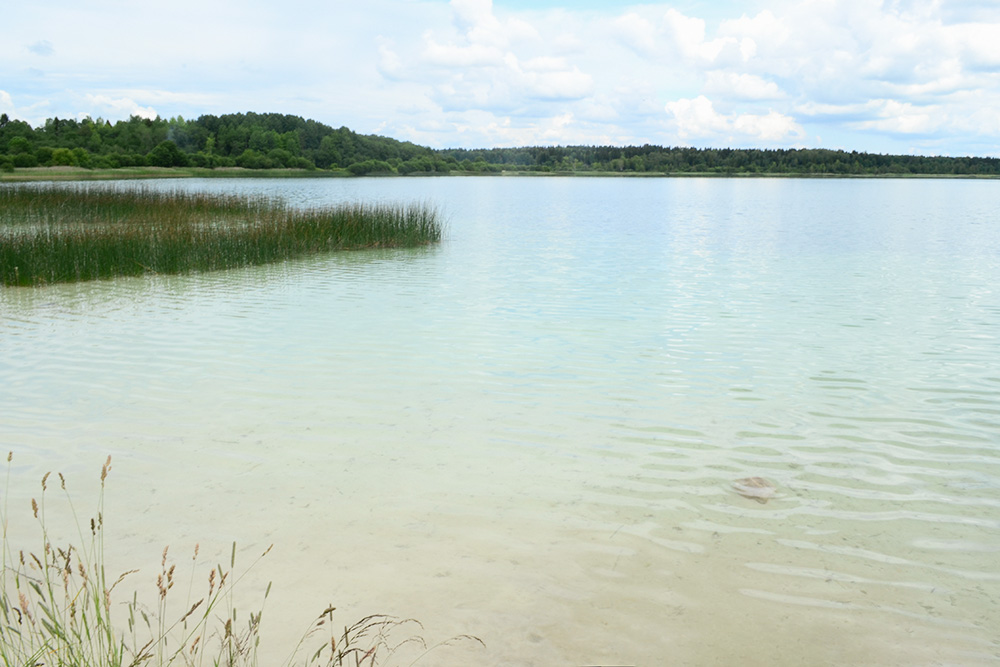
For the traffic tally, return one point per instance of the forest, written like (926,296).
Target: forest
(281,141)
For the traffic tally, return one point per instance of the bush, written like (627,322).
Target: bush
(133,160)
(82,157)
(19,145)
(62,157)
(44,155)
(105,161)
(279,157)
(251,159)
(25,160)
(370,167)
(166,154)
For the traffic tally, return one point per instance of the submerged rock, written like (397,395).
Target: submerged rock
(755,488)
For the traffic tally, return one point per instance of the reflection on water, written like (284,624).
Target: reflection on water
(530,432)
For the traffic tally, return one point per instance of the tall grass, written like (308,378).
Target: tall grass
(60,607)
(54,233)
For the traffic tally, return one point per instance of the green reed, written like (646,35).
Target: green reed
(59,606)
(54,233)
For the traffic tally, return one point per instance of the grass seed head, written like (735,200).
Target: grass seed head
(23,600)
(191,610)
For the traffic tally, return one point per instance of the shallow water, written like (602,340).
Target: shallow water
(530,432)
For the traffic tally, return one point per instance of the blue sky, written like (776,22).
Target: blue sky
(884,76)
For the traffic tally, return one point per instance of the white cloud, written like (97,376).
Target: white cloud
(979,44)
(770,127)
(764,28)
(902,118)
(744,78)
(32,114)
(963,11)
(688,36)
(120,107)
(486,63)
(865,75)
(476,19)
(549,78)
(471,55)
(741,86)
(389,64)
(847,111)
(980,113)
(544,64)
(637,33)
(674,35)
(548,131)
(982,120)
(484,129)
(697,117)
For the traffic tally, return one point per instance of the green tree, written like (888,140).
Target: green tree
(43,155)
(251,159)
(63,157)
(280,157)
(166,154)
(82,158)
(370,167)
(18,145)
(25,160)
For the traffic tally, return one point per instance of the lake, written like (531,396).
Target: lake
(530,432)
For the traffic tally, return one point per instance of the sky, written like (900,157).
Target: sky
(880,76)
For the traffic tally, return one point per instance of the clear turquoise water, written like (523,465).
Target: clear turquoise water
(530,432)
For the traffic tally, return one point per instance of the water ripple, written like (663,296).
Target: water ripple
(560,397)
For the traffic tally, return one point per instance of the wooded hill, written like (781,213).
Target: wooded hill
(278,141)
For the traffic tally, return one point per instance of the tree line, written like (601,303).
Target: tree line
(281,141)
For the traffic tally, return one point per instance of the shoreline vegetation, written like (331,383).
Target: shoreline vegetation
(280,145)
(60,606)
(54,233)
(69,174)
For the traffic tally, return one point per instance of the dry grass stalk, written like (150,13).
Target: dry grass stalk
(60,610)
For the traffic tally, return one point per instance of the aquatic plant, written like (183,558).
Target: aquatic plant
(59,606)
(54,233)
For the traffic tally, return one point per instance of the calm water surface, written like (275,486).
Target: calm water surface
(529,432)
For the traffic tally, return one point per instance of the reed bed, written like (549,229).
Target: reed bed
(53,233)
(59,606)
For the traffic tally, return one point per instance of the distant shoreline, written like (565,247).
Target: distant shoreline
(69,174)
(279,145)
